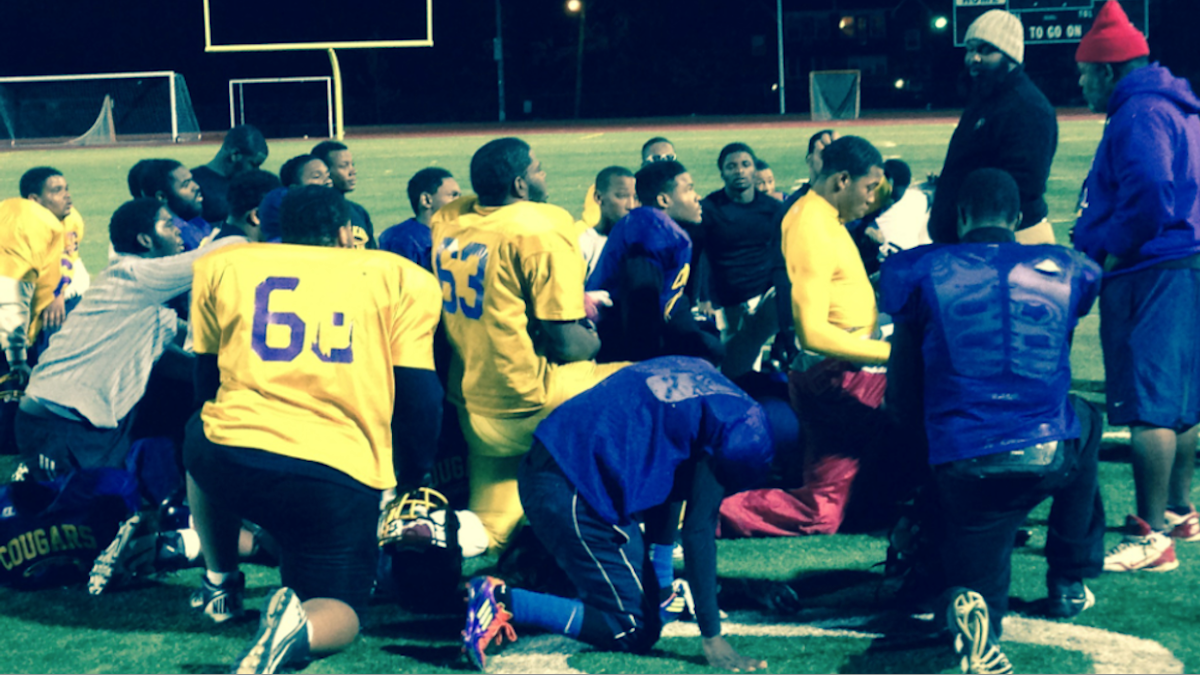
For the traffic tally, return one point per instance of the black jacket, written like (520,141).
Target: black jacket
(1013,128)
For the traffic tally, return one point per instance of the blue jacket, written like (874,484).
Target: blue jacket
(1141,200)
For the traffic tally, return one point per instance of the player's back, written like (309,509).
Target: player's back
(501,268)
(306,338)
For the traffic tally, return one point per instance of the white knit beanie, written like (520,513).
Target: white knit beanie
(1002,30)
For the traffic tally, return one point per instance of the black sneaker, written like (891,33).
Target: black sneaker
(969,622)
(1069,599)
(221,603)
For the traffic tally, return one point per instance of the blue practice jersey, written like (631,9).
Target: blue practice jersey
(193,232)
(995,323)
(647,419)
(650,233)
(411,239)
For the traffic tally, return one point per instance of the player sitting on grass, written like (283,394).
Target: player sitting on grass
(304,170)
(243,149)
(644,268)
(170,182)
(429,189)
(658,433)
(981,359)
(305,426)
(246,192)
(340,161)
(615,196)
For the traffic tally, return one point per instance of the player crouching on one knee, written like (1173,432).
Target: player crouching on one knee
(659,432)
(302,424)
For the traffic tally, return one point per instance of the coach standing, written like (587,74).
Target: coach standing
(1141,221)
(1008,124)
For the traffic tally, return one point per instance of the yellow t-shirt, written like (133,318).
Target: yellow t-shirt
(31,249)
(306,339)
(833,303)
(501,270)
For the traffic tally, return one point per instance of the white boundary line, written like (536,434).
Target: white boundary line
(1110,652)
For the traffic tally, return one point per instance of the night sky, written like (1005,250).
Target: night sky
(643,57)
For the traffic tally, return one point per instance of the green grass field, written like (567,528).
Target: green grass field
(149,629)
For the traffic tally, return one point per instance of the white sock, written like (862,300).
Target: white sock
(217,578)
(472,536)
(191,544)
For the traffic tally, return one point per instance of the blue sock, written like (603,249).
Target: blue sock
(664,564)
(549,612)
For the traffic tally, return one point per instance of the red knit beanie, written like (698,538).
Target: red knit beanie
(1112,38)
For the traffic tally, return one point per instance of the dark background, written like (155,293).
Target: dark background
(642,58)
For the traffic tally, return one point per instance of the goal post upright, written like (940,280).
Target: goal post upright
(330,47)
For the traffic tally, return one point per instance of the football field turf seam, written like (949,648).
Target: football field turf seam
(1110,652)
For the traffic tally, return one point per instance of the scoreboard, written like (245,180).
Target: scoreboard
(1047,21)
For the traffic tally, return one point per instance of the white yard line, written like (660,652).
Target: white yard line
(1110,652)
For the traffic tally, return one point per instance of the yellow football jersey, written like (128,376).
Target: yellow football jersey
(591,208)
(75,279)
(306,339)
(31,249)
(502,269)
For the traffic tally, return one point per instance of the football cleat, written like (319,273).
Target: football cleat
(678,604)
(1183,528)
(488,621)
(131,553)
(415,521)
(968,619)
(1069,599)
(282,636)
(221,603)
(1142,549)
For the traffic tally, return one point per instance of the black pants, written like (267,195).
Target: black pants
(981,518)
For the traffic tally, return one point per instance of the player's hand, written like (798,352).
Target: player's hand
(54,315)
(593,301)
(706,308)
(722,656)
(819,147)
(18,374)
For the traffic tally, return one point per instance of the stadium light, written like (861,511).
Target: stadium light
(940,23)
(899,83)
(574,6)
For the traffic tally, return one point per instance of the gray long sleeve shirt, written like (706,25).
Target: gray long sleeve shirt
(97,366)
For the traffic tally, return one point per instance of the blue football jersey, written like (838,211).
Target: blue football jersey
(650,233)
(996,321)
(647,419)
(411,239)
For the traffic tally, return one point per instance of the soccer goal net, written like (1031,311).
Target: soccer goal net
(834,94)
(283,107)
(99,108)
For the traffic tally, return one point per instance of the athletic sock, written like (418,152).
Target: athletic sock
(218,578)
(549,612)
(472,535)
(664,565)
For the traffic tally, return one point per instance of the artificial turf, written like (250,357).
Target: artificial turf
(150,629)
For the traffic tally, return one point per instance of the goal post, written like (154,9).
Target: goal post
(834,94)
(59,108)
(295,106)
(232,26)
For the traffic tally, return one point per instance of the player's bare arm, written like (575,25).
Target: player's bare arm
(568,341)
